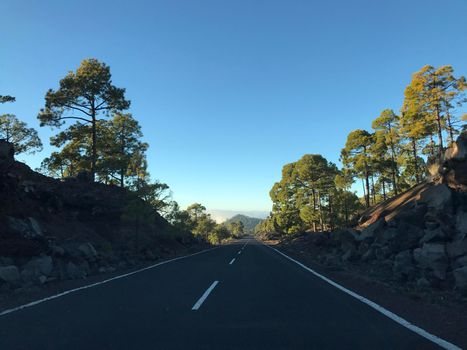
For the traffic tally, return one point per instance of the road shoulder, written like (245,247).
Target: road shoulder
(441,315)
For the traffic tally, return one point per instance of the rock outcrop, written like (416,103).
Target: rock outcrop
(54,230)
(420,234)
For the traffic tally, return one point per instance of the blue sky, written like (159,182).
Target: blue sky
(227,92)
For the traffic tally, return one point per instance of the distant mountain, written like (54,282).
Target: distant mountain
(248,222)
(221,215)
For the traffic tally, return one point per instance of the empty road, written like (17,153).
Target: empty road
(238,296)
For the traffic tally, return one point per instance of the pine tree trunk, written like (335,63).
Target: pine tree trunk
(94,144)
(451,130)
(394,170)
(440,130)
(414,152)
(122,150)
(321,221)
(373,192)
(367,184)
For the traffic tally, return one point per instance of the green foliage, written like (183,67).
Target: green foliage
(24,139)
(138,214)
(155,193)
(236,228)
(84,95)
(122,157)
(356,155)
(309,197)
(429,98)
(4,99)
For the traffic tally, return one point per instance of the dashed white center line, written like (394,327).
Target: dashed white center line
(239,252)
(231,261)
(204,296)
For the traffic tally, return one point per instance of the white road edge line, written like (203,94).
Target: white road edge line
(33,303)
(231,261)
(433,338)
(204,296)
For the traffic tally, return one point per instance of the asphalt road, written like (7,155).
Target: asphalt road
(261,301)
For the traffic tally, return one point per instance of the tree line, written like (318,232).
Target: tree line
(315,194)
(100,141)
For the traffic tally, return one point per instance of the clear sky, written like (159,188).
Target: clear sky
(228,91)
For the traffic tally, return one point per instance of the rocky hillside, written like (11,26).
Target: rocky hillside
(418,237)
(55,230)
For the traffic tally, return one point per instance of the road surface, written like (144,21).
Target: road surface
(239,296)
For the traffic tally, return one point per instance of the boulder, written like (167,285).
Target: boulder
(455,164)
(458,150)
(35,227)
(381,252)
(368,255)
(387,235)
(9,274)
(37,270)
(40,266)
(350,255)
(460,276)
(369,232)
(74,272)
(7,151)
(461,223)
(57,250)
(28,228)
(423,283)
(413,215)
(88,251)
(347,239)
(408,237)
(457,248)
(403,265)
(460,262)
(433,235)
(438,197)
(432,257)
(5,261)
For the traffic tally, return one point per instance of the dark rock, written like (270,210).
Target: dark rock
(74,272)
(7,152)
(423,283)
(368,255)
(437,197)
(460,276)
(433,258)
(461,223)
(460,262)
(403,265)
(5,261)
(457,248)
(9,274)
(369,232)
(28,228)
(37,270)
(88,251)
(350,255)
(40,266)
(414,215)
(434,235)
(387,235)
(409,236)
